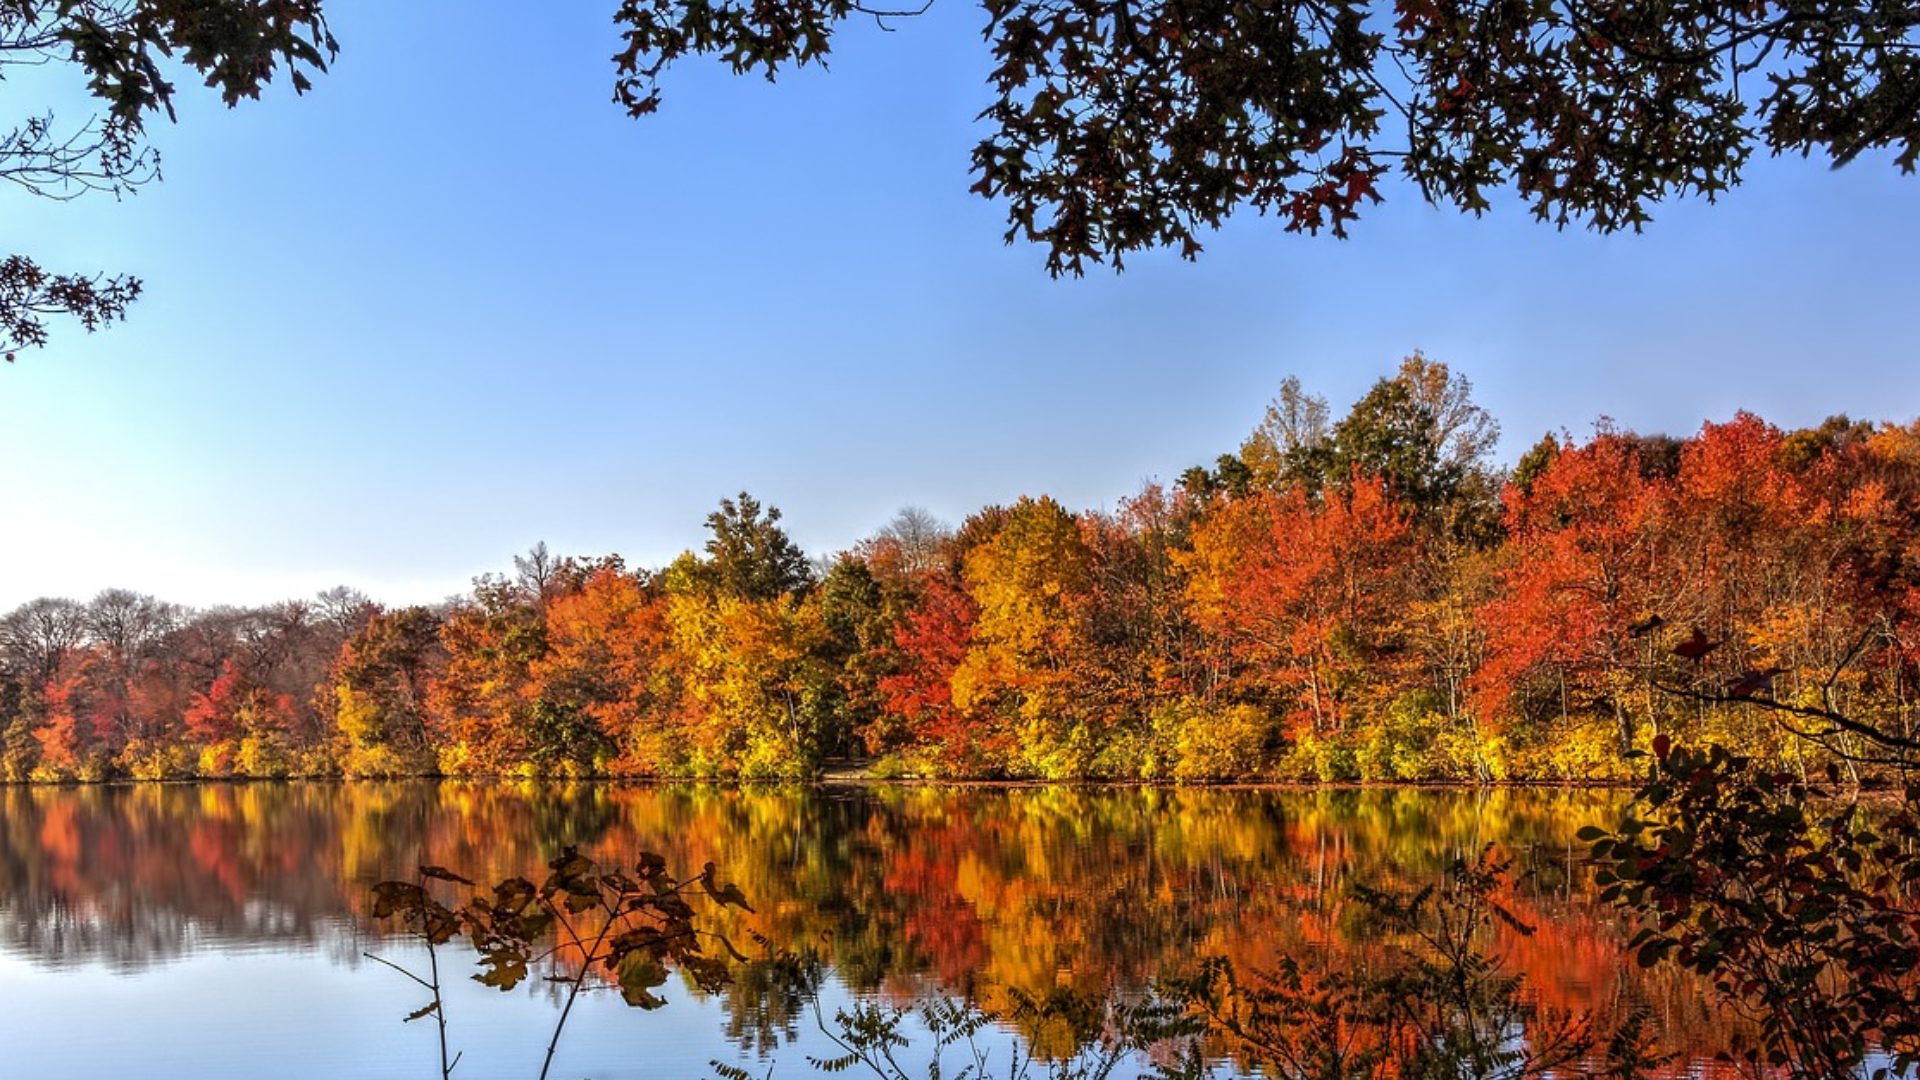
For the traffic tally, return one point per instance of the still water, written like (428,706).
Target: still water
(218,931)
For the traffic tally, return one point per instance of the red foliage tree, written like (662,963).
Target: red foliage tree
(933,639)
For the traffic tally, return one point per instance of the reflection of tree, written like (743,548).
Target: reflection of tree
(767,1000)
(898,890)
(135,876)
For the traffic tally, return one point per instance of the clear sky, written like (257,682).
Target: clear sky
(453,302)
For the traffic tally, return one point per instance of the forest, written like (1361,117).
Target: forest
(1357,598)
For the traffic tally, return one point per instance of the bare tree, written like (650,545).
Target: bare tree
(1463,433)
(536,570)
(129,624)
(1295,422)
(36,636)
(921,538)
(345,609)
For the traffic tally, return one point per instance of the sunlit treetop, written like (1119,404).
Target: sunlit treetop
(1123,125)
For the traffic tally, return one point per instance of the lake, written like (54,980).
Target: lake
(221,930)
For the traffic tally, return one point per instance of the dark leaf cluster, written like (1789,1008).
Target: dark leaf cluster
(29,293)
(632,927)
(125,50)
(1801,907)
(1122,125)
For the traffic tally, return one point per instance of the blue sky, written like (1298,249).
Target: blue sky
(453,302)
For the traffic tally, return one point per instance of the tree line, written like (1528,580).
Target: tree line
(1366,598)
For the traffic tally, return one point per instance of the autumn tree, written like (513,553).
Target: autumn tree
(280,652)
(1423,434)
(78,727)
(1307,594)
(760,688)
(241,728)
(1797,550)
(1447,642)
(1249,622)
(898,591)
(129,631)
(1742,563)
(751,632)
(1138,656)
(70,670)
(380,682)
(482,700)
(1139,606)
(1587,538)
(88,704)
(290,649)
(610,674)
(123,48)
(933,639)
(1029,582)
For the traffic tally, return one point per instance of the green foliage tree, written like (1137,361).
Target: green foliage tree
(1390,434)
(750,556)
(123,48)
(1534,462)
(860,615)
(1421,432)
(1419,429)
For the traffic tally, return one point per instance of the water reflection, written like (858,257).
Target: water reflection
(900,890)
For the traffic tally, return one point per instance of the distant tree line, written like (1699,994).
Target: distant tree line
(1361,598)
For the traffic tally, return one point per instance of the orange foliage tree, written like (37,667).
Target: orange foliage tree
(608,661)
(1307,594)
(482,702)
(78,730)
